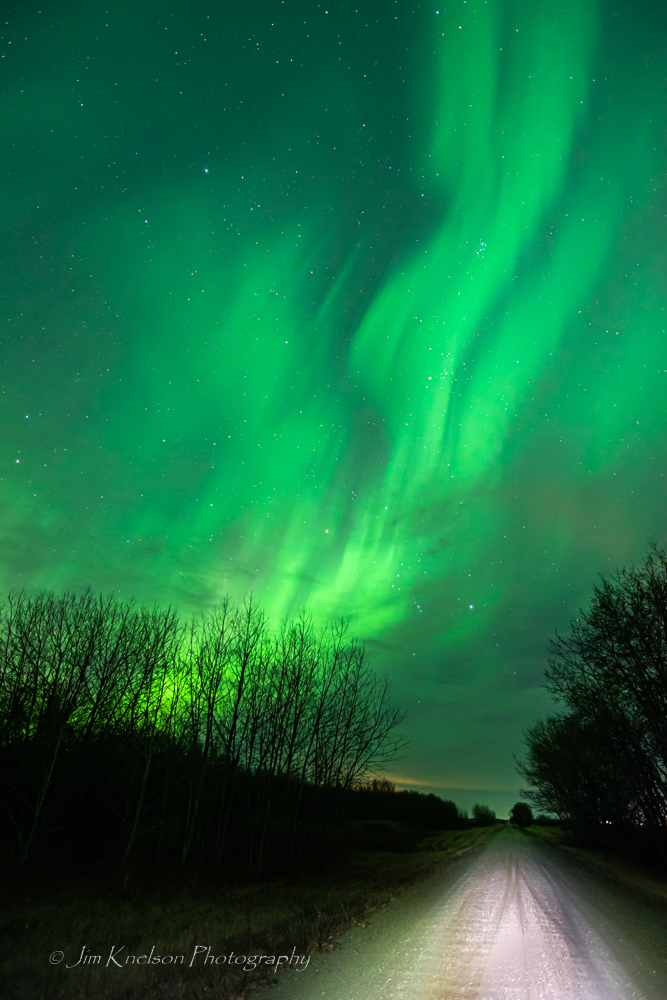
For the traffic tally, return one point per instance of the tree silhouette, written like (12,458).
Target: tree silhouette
(483,815)
(135,739)
(602,765)
(521,815)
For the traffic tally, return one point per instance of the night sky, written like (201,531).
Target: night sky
(358,306)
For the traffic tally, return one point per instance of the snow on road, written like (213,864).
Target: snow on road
(516,922)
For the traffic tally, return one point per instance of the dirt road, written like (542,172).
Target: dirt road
(516,922)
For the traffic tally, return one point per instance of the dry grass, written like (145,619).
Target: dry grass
(266,919)
(650,885)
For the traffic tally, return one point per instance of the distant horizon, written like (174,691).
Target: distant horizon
(500,800)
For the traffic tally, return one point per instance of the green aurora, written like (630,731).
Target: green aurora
(356,306)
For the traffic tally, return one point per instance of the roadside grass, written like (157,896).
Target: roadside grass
(457,842)
(650,885)
(270,919)
(553,835)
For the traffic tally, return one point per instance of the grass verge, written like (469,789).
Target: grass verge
(290,917)
(650,885)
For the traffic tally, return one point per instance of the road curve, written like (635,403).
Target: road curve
(516,922)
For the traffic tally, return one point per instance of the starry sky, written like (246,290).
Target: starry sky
(359,306)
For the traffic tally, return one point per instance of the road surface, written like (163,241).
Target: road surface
(516,922)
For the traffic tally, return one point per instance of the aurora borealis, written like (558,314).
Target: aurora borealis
(361,307)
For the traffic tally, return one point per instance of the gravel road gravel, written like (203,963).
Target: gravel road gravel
(518,921)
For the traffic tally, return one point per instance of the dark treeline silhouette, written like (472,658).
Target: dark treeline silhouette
(378,799)
(483,815)
(130,740)
(601,765)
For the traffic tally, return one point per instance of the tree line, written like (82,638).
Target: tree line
(378,799)
(601,763)
(129,737)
